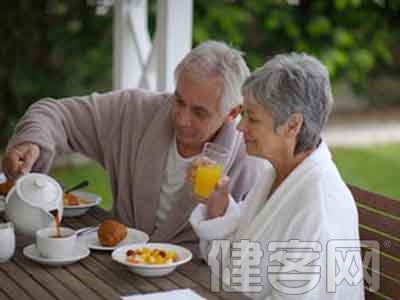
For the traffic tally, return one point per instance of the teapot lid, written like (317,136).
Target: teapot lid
(39,190)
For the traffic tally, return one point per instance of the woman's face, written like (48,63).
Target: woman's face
(258,131)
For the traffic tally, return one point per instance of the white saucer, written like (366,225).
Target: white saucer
(91,241)
(32,253)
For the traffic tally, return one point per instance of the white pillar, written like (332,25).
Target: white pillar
(136,61)
(174,30)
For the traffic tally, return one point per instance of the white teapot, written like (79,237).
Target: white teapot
(30,201)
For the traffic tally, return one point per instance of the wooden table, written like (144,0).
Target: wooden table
(95,277)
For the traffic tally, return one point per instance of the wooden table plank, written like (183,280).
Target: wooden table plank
(90,280)
(11,289)
(182,281)
(99,213)
(96,277)
(199,272)
(74,284)
(45,279)
(163,283)
(110,278)
(24,280)
(3,296)
(139,282)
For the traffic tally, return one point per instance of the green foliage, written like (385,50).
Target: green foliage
(58,48)
(50,48)
(355,39)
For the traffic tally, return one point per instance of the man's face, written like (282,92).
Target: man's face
(196,111)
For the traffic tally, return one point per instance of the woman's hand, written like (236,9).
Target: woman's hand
(191,173)
(218,201)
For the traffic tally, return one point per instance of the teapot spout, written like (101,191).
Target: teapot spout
(55,216)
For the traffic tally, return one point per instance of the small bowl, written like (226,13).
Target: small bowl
(50,246)
(184,255)
(81,209)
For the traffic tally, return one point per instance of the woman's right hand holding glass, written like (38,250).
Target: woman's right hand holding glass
(209,186)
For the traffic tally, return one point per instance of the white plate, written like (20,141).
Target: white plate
(33,253)
(184,255)
(79,210)
(91,241)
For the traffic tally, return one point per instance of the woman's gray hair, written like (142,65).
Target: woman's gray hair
(217,59)
(294,83)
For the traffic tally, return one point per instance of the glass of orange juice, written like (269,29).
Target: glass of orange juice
(207,176)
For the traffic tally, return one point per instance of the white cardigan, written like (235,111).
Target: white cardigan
(312,204)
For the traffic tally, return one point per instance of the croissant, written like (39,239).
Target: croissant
(111,232)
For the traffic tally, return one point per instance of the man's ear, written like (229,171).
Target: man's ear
(294,124)
(233,113)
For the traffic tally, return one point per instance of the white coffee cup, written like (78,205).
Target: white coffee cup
(51,246)
(7,238)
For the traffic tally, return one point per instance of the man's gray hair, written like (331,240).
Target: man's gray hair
(217,59)
(294,83)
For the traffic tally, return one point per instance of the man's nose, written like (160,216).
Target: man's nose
(184,118)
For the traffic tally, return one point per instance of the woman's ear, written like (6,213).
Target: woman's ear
(233,113)
(294,124)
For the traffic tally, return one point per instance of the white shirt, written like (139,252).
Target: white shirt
(172,181)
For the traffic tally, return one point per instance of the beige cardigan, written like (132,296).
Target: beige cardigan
(128,132)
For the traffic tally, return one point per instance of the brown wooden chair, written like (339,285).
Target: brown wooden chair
(380,221)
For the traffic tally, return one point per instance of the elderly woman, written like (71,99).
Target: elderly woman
(294,219)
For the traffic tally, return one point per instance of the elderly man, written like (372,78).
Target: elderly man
(146,140)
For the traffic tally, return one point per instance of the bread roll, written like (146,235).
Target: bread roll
(111,232)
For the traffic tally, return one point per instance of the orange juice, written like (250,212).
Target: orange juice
(206,179)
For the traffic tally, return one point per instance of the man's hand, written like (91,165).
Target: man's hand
(19,160)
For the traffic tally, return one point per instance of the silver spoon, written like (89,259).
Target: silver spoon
(78,186)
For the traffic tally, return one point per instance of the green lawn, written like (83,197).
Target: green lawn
(98,179)
(373,168)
